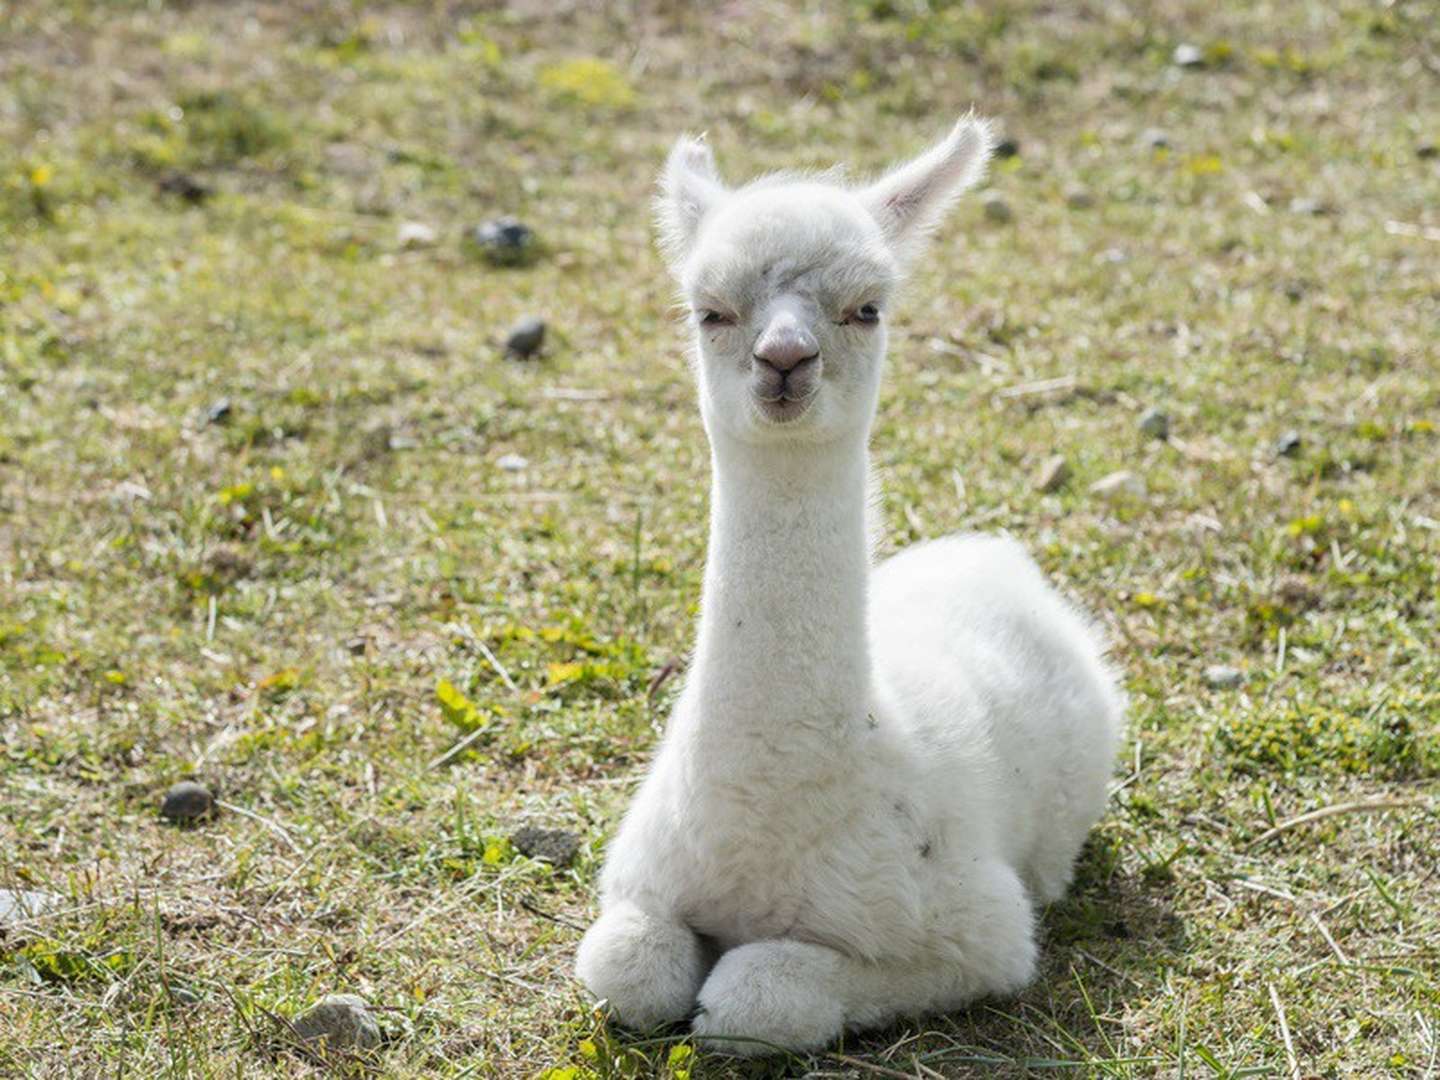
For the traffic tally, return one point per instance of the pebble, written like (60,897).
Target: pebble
(186,187)
(1079,198)
(1187,56)
(17,905)
(513,463)
(187,801)
(341,1021)
(998,210)
(525,338)
(1155,138)
(505,241)
(1118,485)
(220,412)
(1052,474)
(1288,445)
(1426,150)
(1223,677)
(1007,147)
(553,845)
(415,234)
(1155,423)
(1307,206)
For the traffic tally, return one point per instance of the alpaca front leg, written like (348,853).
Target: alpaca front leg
(769,994)
(648,968)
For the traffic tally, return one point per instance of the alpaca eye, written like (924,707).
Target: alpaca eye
(710,317)
(865,315)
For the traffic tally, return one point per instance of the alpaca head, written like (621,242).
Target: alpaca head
(789,279)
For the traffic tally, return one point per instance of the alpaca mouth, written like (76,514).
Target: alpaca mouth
(784,409)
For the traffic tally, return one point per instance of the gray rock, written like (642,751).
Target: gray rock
(1119,485)
(998,210)
(1426,150)
(340,1022)
(187,801)
(505,241)
(1052,474)
(1155,423)
(1187,56)
(553,845)
(1079,198)
(17,905)
(1288,445)
(1312,207)
(1223,677)
(525,338)
(1155,138)
(513,463)
(183,995)
(415,234)
(220,412)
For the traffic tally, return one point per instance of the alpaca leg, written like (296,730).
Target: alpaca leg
(647,967)
(801,996)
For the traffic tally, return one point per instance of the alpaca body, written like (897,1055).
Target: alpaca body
(872,774)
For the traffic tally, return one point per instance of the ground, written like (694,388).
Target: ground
(262,522)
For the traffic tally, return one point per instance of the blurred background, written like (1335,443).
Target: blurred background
(349,468)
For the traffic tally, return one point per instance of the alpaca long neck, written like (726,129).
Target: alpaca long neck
(782,650)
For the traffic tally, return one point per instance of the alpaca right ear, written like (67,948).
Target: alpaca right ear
(690,187)
(909,201)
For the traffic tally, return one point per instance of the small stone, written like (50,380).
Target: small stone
(505,241)
(1288,445)
(525,338)
(183,995)
(185,186)
(17,905)
(1312,207)
(1052,474)
(513,463)
(1007,147)
(1155,139)
(220,412)
(415,234)
(1155,423)
(187,801)
(1426,150)
(1119,485)
(552,845)
(376,441)
(1079,198)
(1297,592)
(1223,677)
(340,1022)
(998,210)
(1187,56)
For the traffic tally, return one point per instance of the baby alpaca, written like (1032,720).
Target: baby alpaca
(874,773)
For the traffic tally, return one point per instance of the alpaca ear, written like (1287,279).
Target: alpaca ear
(911,199)
(690,187)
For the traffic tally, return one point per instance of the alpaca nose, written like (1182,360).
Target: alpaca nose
(786,349)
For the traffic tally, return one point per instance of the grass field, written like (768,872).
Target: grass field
(262,524)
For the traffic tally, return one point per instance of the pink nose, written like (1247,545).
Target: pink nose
(785,348)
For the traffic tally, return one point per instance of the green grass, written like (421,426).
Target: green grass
(270,603)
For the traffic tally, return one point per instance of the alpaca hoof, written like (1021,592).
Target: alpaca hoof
(647,969)
(768,996)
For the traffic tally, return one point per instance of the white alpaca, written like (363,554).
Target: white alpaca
(873,774)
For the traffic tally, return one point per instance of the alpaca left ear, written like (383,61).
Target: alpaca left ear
(690,187)
(910,200)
